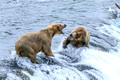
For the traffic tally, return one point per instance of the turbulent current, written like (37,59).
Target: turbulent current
(100,17)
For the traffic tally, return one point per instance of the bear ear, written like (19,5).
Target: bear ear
(50,27)
(87,44)
(84,33)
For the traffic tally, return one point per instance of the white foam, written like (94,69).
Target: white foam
(110,9)
(107,63)
(11,76)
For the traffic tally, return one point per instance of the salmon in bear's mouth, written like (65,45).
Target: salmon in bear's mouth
(70,37)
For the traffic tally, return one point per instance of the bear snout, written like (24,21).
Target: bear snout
(70,38)
(71,35)
(65,25)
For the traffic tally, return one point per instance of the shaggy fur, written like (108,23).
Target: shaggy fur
(31,43)
(78,38)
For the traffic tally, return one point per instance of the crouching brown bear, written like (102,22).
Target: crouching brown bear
(31,43)
(80,37)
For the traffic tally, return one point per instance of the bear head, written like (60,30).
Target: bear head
(57,27)
(78,34)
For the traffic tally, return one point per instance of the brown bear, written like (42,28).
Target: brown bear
(78,38)
(31,43)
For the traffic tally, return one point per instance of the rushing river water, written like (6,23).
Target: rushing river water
(99,17)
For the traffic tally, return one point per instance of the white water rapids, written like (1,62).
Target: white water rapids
(99,62)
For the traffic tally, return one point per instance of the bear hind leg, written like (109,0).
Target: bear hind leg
(32,58)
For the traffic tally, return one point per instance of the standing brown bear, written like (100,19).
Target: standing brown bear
(31,43)
(78,38)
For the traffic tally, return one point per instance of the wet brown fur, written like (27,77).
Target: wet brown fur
(80,37)
(31,43)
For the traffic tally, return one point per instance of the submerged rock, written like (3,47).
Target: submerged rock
(22,76)
(31,72)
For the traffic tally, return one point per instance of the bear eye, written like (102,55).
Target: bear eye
(77,36)
(71,35)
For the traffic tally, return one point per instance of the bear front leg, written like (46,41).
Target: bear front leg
(87,41)
(33,60)
(47,51)
(87,45)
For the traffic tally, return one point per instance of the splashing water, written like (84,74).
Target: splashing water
(68,64)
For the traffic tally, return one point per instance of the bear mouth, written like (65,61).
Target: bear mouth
(70,38)
(62,32)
